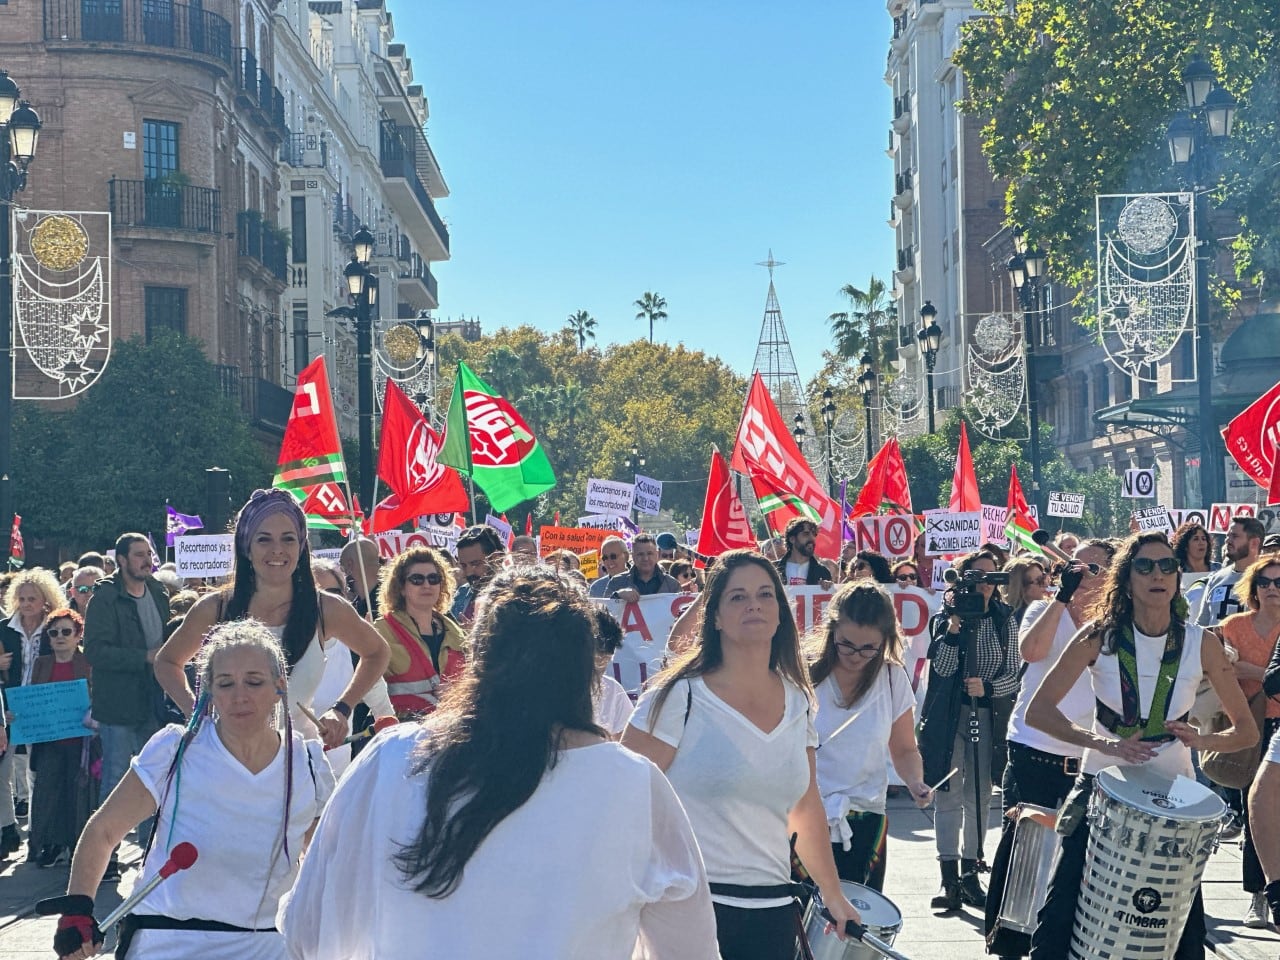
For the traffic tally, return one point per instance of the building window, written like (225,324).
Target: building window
(159,149)
(298,229)
(165,309)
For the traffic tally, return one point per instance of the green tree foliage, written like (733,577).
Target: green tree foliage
(931,459)
(1077,97)
(145,432)
(869,323)
(589,407)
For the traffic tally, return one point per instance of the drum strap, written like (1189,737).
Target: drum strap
(1130,721)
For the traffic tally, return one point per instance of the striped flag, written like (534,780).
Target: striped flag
(311,453)
(1019,524)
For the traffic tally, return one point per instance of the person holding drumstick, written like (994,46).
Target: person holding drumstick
(1144,662)
(860,686)
(272,583)
(730,723)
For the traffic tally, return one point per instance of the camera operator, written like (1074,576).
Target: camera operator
(973,656)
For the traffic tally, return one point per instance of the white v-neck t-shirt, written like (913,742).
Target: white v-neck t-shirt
(737,783)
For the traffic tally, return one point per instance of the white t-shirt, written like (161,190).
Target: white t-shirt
(737,783)
(853,764)
(598,864)
(233,818)
(797,573)
(613,706)
(1172,758)
(1077,706)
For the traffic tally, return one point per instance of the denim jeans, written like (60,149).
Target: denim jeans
(120,744)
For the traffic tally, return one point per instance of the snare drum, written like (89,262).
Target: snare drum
(1149,840)
(881,918)
(1031,863)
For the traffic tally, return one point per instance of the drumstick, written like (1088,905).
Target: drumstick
(378,725)
(306,711)
(954,771)
(180,858)
(840,729)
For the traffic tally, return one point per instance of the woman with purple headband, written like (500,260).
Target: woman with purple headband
(272,583)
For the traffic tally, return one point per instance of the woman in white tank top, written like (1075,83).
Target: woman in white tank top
(1144,661)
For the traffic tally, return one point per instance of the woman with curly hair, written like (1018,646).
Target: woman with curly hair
(1144,661)
(730,722)
(428,647)
(1193,547)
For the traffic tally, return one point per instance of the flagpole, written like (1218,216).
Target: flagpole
(471,484)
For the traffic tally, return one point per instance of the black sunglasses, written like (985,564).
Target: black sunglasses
(418,579)
(1144,565)
(62,631)
(1266,582)
(905,577)
(336,591)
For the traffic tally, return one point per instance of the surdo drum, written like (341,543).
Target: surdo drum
(881,918)
(1149,840)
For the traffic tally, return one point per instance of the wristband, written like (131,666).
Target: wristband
(343,709)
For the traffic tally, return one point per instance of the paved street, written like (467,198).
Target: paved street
(912,881)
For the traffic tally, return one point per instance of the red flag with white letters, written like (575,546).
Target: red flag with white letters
(764,447)
(724,521)
(1253,436)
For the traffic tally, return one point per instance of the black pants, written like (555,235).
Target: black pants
(1252,876)
(61,801)
(867,857)
(1032,776)
(1052,939)
(1001,711)
(765,933)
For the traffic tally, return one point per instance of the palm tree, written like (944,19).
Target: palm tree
(505,372)
(652,307)
(583,326)
(538,406)
(866,324)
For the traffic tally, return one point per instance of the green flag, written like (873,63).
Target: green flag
(486,438)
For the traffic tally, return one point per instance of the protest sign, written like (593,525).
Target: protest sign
(648,494)
(575,539)
(327,553)
(1221,515)
(892,535)
(48,711)
(589,564)
(1065,504)
(691,536)
(503,528)
(1138,484)
(394,542)
(209,555)
(610,497)
(1197,515)
(1152,518)
(938,580)
(946,532)
(993,518)
(601,522)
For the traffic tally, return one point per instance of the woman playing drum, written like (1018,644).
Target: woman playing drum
(1145,662)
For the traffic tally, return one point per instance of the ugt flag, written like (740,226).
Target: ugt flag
(486,438)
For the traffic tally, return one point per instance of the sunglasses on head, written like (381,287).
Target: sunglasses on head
(418,579)
(1144,565)
(62,631)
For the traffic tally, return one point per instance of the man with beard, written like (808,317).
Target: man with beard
(1244,543)
(645,576)
(799,566)
(480,556)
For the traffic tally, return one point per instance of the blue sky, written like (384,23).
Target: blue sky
(598,149)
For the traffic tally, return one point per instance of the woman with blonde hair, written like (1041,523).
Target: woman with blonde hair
(428,647)
(1028,582)
(858,676)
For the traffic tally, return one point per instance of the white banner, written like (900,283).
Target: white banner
(1138,484)
(610,497)
(210,555)
(1196,515)
(648,494)
(1152,518)
(993,525)
(394,542)
(1065,504)
(946,532)
(893,534)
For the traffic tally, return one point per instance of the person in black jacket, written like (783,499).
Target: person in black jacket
(970,662)
(798,565)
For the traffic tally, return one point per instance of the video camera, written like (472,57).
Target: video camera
(966,602)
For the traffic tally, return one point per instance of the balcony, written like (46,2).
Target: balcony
(902,189)
(164,205)
(345,223)
(928,12)
(899,40)
(305,150)
(906,271)
(400,149)
(266,404)
(255,90)
(417,286)
(144,23)
(902,113)
(263,245)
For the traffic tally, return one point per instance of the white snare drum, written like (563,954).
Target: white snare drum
(881,918)
(1031,863)
(1149,840)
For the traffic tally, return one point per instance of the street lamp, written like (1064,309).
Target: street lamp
(867,384)
(829,421)
(1194,138)
(635,460)
(1026,270)
(362,285)
(930,338)
(19,133)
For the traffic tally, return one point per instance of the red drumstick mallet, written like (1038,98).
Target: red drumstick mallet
(180,858)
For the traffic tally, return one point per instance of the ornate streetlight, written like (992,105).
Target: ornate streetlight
(867,384)
(930,339)
(636,460)
(829,421)
(362,285)
(1027,274)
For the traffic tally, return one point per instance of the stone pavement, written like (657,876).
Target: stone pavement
(912,882)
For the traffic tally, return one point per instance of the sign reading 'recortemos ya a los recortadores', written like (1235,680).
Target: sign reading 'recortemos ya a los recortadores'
(610,497)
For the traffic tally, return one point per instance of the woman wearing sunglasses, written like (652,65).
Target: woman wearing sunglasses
(906,574)
(1028,580)
(1138,644)
(859,677)
(428,647)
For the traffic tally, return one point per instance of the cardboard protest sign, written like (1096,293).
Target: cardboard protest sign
(892,534)
(589,564)
(575,539)
(1065,504)
(1138,484)
(993,520)
(392,543)
(1152,518)
(48,711)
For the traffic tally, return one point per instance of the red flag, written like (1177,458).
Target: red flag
(886,483)
(724,521)
(1273,490)
(964,482)
(407,464)
(764,448)
(872,493)
(1018,522)
(1253,435)
(328,501)
(311,452)
(556,522)
(17,549)
(528,524)
(897,491)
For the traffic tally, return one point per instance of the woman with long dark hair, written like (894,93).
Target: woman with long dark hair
(272,583)
(506,824)
(858,680)
(731,724)
(1193,547)
(1144,661)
